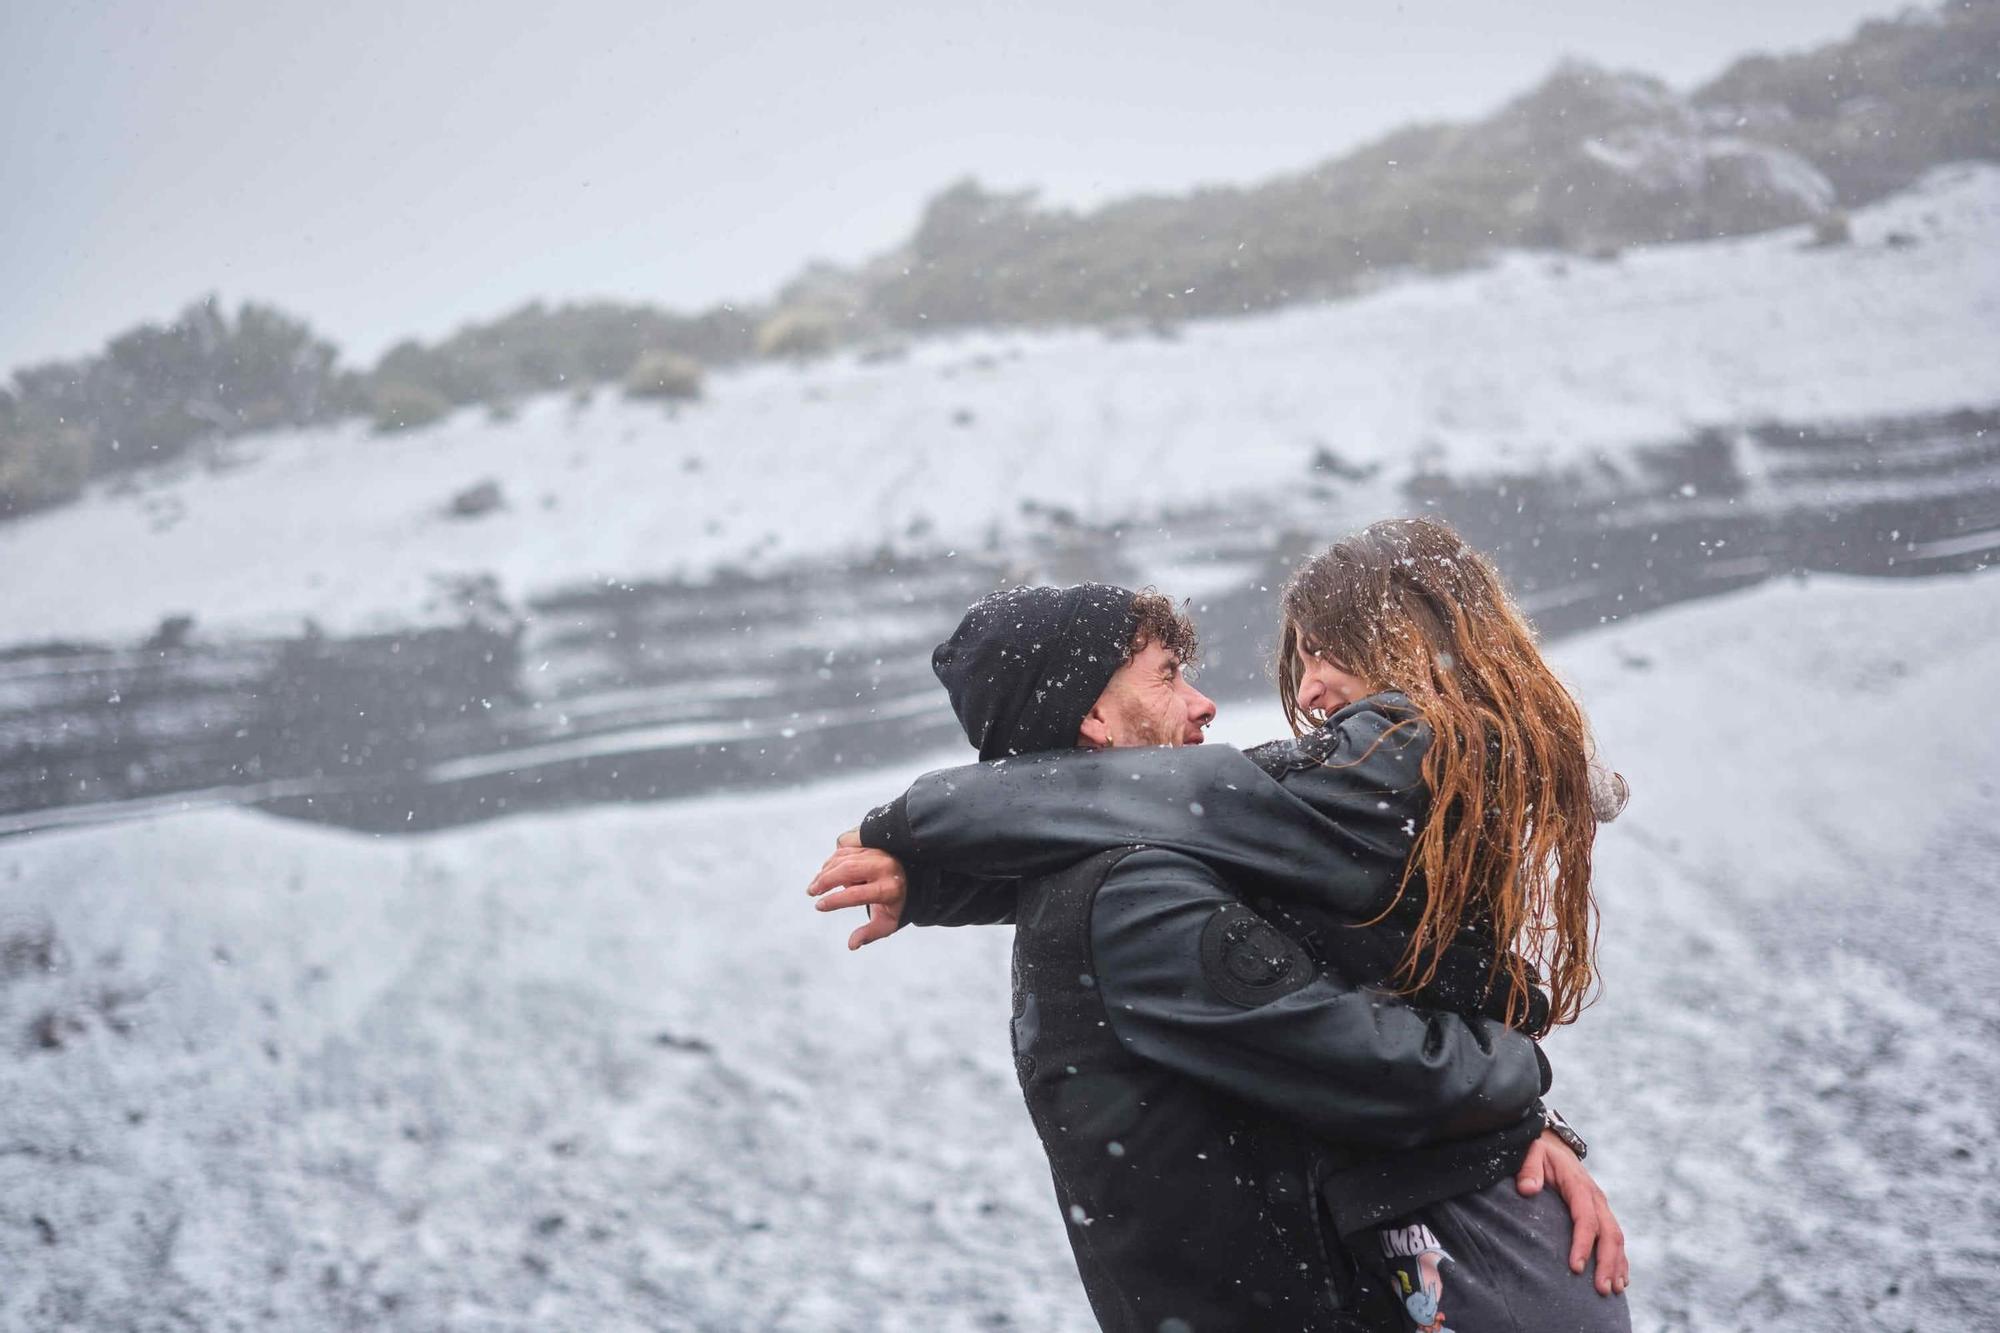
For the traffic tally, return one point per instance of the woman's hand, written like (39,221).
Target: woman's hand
(1593,1226)
(857,876)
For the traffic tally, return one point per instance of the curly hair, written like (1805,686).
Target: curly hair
(1160,621)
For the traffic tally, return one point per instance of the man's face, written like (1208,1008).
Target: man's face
(1148,701)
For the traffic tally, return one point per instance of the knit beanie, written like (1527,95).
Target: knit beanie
(1026,665)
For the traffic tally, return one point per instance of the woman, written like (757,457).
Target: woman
(1405,621)
(1435,744)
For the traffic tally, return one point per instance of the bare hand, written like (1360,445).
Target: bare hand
(857,876)
(1593,1226)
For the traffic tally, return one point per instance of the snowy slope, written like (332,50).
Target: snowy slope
(1534,358)
(607,1070)
(1795,1059)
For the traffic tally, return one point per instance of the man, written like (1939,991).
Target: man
(1190,1070)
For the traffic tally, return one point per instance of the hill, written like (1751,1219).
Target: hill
(1588,162)
(973,442)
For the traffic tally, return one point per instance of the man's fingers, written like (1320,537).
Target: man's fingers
(878,927)
(1610,1257)
(1583,1231)
(856,895)
(840,868)
(1528,1180)
(1593,1228)
(1580,1196)
(857,876)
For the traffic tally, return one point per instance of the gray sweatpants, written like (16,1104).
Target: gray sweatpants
(1486,1262)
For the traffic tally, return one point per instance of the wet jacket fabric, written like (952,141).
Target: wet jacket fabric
(1181,1202)
(1313,834)
(1187,1066)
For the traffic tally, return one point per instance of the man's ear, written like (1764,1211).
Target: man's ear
(1094,732)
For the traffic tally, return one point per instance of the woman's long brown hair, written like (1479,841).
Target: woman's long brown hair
(1407,605)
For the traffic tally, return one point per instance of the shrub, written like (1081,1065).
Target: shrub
(41,464)
(663,374)
(400,407)
(157,389)
(799,332)
(539,349)
(1830,231)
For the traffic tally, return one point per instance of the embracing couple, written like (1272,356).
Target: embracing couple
(1276,1010)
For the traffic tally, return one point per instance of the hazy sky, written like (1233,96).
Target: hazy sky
(387,170)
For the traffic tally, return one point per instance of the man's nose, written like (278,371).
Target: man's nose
(1311,695)
(1201,708)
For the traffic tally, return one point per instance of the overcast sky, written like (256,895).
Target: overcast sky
(389,170)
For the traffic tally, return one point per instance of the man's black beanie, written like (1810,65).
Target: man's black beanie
(1025,665)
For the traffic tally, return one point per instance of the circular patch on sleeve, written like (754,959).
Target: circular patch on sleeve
(1247,961)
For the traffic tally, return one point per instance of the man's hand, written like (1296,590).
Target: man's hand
(857,876)
(1593,1226)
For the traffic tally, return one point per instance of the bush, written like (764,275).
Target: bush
(1830,231)
(663,374)
(400,407)
(540,349)
(799,332)
(157,389)
(40,467)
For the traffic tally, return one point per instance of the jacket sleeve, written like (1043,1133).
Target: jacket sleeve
(954,898)
(1335,832)
(1193,980)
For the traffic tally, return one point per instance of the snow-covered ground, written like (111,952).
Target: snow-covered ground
(1532,359)
(607,1070)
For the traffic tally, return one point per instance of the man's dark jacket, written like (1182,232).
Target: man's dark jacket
(1190,1067)
(1314,833)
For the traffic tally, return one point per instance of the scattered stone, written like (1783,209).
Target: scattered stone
(55,1029)
(675,1042)
(1326,460)
(882,353)
(28,950)
(474,501)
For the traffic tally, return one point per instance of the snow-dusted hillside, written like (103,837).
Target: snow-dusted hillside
(607,1070)
(1533,359)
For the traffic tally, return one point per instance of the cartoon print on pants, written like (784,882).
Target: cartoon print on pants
(1422,1295)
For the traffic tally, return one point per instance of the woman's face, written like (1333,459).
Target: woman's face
(1324,687)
